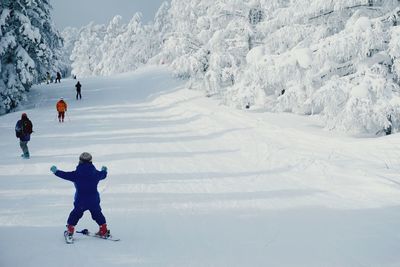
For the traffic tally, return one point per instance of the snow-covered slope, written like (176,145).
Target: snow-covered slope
(339,59)
(194,183)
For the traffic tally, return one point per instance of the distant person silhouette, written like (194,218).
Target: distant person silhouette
(78,90)
(48,77)
(58,77)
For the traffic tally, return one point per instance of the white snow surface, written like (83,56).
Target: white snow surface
(195,183)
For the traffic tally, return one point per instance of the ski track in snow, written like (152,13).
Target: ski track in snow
(195,183)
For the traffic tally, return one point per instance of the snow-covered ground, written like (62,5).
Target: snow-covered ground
(194,183)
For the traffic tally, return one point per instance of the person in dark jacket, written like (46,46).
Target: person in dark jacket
(78,90)
(58,77)
(23,130)
(85,178)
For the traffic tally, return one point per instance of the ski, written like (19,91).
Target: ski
(68,238)
(87,233)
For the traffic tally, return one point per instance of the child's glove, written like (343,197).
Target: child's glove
(104,169)
(53,169)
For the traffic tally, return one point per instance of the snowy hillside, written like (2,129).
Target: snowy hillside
(337,59)
(194,183)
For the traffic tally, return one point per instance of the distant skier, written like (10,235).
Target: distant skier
(58,77)
(48,77)
(85,179)
(23,130)
(61,108)
(78,90)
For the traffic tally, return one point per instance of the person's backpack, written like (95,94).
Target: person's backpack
(18,134)
(18,130)
(27,127)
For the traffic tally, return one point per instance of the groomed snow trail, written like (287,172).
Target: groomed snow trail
(194,183)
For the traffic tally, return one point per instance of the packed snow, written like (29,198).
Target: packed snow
(195,183)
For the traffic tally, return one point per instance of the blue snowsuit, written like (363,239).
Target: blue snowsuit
(85,179)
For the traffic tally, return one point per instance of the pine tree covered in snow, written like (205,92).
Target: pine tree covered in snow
(127,54)
(29,46)
(210,40)
(339,59)
(86,54)
(326,57)
(158,31)
(118,47)
(70,36)
(107,48)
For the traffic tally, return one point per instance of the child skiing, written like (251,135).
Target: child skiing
(23,130)
(61,109)
(85,179)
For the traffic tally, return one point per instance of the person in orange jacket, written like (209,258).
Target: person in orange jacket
(61,108)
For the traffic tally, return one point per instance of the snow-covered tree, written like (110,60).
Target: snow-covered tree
(50,55)
(120,47)
(157,32)
(332,58)
(339,59)
(86,54)
(210,39)
(125,54)
(29,47)
(70,35)
(107,47)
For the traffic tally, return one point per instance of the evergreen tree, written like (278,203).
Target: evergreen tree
(29,46)
(86,54)
(339,59)
(70,35)
(332,58)
(128,54)
(108,46)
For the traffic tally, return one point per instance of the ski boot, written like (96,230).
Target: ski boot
(69,233)
(103,232)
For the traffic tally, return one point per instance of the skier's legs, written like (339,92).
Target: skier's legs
(75,215)
(61,116)
(97,215)
(24,147)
